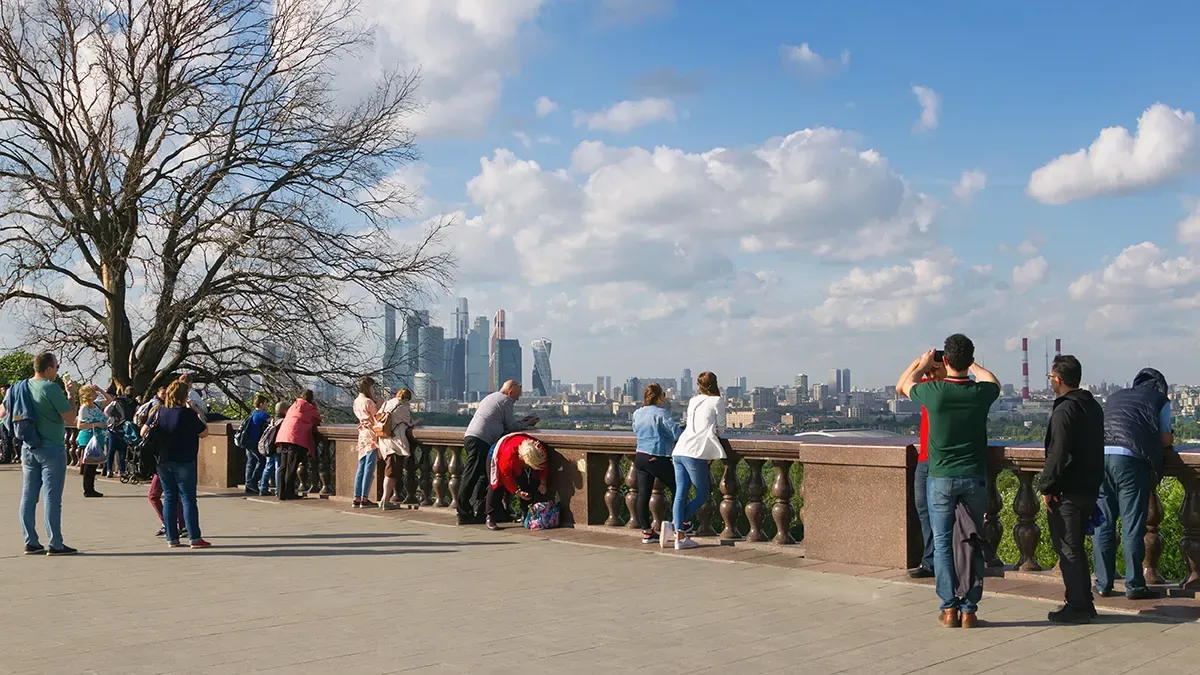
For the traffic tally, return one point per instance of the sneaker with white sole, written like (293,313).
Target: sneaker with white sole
(685,544)
(666,533)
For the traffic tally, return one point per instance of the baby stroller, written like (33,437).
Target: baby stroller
(140,465)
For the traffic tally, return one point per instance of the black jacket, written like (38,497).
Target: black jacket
(1131,418)
(1074,446)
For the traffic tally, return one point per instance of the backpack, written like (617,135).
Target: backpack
(239,439)
(542,516)
(266,443)
(116,415)
(382,422)
(151,449)
(19,421)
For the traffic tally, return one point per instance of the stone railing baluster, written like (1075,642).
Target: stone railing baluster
(327,449)
(993,529)
(426,484)
(410,476)
(730,508)
(659,507)
(1189,544)
(1153,540)
(455,467)
(612,492)
(440,498)
(782,511)
(631,495)
(756,510)
(1027,533)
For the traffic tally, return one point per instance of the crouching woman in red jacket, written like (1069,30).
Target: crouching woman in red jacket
(518,466)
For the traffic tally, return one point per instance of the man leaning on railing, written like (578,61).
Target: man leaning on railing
(493,419)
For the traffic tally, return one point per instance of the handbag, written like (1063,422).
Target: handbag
(542,516)
(94,452)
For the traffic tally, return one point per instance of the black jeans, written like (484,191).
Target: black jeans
(474,478)
(497,496)
(290,457)
(1068,519)
(648,467)
(89,478)
(921,499)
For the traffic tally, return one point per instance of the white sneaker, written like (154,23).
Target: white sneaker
(666,534)
(685,544)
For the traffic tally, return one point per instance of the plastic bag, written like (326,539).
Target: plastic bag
(94,452)
(542,516)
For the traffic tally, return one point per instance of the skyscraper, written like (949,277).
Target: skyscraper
(508,361)
(410,359)
(431,354)
(454,377)
(685,384)
(608,383)
(835,382)
(600,386)
(802,382)
(390,372)
(845,380)
(494,379)
(741,383)
(462,319)
(478,373)
(541,366)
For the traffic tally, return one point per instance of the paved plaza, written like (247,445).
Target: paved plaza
(320,588)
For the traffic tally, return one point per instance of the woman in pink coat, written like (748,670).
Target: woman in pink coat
(297,435)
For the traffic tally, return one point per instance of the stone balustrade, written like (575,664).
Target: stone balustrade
(842,500)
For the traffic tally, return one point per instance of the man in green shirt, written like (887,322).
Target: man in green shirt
(45,467)
(958,411)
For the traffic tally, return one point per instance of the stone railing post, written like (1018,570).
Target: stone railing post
(455,468)
(993,529)
(730,508)
(327,450)
(658,506)
(704,517)
(1189,544)
(756,510)
(631,495)
(782,511)
(410,476)
(1026,533)
(426,463)
(440,498)
(1153,540)
(612,491)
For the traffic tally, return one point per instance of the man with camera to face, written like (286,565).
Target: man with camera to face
(958,409)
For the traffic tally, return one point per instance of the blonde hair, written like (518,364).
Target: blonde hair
(88,394)
(533,453)
(404,394)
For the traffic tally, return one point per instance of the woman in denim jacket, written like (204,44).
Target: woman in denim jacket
(656,435)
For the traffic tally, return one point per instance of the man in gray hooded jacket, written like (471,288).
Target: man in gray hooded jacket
(1137,427)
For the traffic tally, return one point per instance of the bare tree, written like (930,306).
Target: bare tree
(183,186)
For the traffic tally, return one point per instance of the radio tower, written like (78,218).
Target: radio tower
(1025,368)
(1047,363)
(1058,346)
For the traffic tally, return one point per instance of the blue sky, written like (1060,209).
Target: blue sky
(1019,85)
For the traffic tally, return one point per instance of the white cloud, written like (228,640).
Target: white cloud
(1027,248)
(1188,229)
(969,184)
(463,49)
(1139,272)
(627,115)
(813,64)
(1116,162)
(1029,274)
(931,108)
(543,106)
(886,298)
(524,138)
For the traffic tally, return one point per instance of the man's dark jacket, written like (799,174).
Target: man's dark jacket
(1074,446)
(1131,418)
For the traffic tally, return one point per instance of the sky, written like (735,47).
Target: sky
(772,188)
(766,189)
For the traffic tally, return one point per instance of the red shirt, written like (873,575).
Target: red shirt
(923,448)
(509,464)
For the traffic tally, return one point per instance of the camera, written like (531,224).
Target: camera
(938,355)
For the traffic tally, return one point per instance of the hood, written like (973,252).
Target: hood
(1149,377)
(1080,395)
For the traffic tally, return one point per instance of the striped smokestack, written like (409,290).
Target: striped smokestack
(1025,368)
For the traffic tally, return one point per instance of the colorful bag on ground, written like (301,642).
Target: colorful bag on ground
(542,516)
(94,452)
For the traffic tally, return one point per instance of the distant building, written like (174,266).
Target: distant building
(431,352)
(454,376)
(802,383)
(462,319)
(508,361)
(742,384)
(1008,390)
(902,407)
(845,386)
(820,392)
(600,387)
(498,334)
(633,388)
(762,398)
(477,373)
(834,382)
(686,384)
(411,339)
(541,381)
(743,419)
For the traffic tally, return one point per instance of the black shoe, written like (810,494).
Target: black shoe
(34,550)
(1142,593)
(1100,591)
(1093,612)
(252,491)
(921,572)
(66,550)
(470,520)
(93,494)
(491,525)
(1071,615)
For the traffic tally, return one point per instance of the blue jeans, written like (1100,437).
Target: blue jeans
(270,468)
(365,475)
(116,450)
(255,463)
(44,469)
(1125,492)
(689,472)
(944,495)
(179,491)
(921,498)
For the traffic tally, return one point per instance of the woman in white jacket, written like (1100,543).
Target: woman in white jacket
(699,444)
(394,446)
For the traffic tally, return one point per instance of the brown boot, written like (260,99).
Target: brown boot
(950,618)
(969,620)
